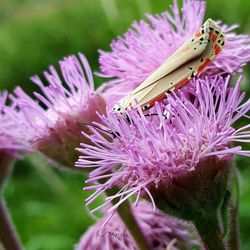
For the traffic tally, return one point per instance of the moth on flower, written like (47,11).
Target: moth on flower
(188,61)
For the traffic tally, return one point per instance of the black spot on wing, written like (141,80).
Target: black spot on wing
(146,107)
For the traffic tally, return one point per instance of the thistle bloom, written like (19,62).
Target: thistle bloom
(158,228)
(146,45)
(52,123)
(9,143)
(147,155)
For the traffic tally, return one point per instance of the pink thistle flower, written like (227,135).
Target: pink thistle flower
(10,143)
(54,120)
(145,155)
(158,228)
(146,45)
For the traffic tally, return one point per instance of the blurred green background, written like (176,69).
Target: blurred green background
(47,205)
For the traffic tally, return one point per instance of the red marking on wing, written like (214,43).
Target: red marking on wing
(212,36)
(162,96)
(197,34)
(217,49)
(204,65)
(186,50)
(156,99)
(181,83)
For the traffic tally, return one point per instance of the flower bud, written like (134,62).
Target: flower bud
(52,123)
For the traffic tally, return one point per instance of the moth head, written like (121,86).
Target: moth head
(122,105)
(119,109)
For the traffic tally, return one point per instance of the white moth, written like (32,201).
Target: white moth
(189,60)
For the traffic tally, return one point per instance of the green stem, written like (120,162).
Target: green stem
(209,231)
(6,162)
(124,210)
(234,239)
(8,236)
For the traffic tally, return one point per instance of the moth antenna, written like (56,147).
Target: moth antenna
(88,124)
(92,125)
(95,126)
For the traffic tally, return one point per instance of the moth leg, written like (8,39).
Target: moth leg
(165,114)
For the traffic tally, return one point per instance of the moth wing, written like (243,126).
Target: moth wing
(180,57)
(165,84)
(184,64)
(187,71)
(170,82)
(191,49)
